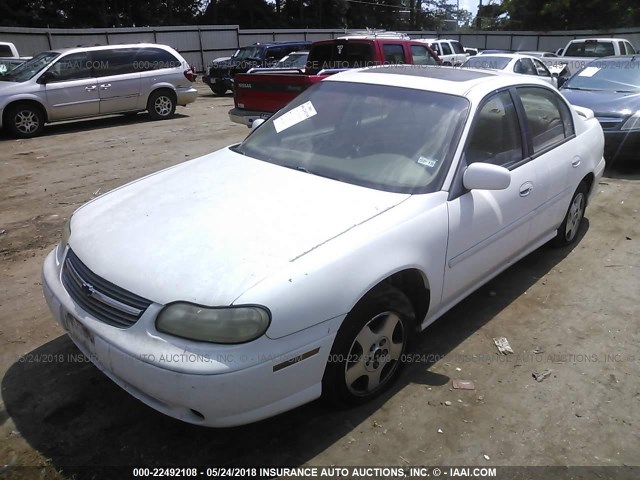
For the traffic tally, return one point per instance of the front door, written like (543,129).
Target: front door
(488,229)
(71,90)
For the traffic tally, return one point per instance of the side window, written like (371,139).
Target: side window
(541,69)
(436,48)
(495,137)
(623,50)
(446,49)
(146,59)
(548,117)
(421,55)
(274,54)
(393,53)
(72,67)
(630,49)
(114,62)
(525,67)
(457,48)
(5,51)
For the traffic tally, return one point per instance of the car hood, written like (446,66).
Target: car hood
(604,103)
(207,230)
(6,87)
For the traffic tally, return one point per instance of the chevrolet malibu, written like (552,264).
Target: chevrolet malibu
(302,261)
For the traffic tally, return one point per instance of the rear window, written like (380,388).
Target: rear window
(590,49)
(340,54)
(487,61)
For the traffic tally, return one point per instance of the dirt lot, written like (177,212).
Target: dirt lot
(578,307)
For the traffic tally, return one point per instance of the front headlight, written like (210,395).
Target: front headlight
(632,123)
(213,324)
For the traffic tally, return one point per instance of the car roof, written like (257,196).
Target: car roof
(450,80)
(578,40)
(109,47)
(277,44)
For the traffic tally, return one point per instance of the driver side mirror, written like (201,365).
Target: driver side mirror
(46,77)
(486,176)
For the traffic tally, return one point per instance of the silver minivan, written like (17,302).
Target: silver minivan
(91,81)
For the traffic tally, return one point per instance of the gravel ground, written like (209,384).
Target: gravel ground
(572,311)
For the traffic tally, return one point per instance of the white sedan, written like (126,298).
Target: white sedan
(301,261)
(514,63)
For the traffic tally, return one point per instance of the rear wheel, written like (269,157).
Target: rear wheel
(568,230)
(369,348)
(25,121)
(161,104)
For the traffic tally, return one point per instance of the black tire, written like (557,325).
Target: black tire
(24,120)
(570,226)
(372,340)
(219,89)
(161,104)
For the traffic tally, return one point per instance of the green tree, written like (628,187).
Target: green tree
(571,14)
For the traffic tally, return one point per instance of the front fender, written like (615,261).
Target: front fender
(328,281)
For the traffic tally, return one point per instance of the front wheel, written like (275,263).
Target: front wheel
(161,105)
(570,226)
(369,348)
(25,121)
(219,89)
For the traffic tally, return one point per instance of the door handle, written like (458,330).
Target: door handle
(526,188)
(90,89)
(105,86)
(576,162)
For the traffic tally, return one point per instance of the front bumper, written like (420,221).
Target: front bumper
(621,145)
(217,81)
(205,384)
(246,117)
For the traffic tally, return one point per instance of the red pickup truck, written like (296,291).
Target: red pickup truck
(261,93)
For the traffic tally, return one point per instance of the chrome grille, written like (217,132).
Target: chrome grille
(100,298)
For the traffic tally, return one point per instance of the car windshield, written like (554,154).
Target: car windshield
(487,61)
(295,60)
(245,53)
(377,136)
(620,75)
(29,69)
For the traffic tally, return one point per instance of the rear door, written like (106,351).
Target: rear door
(72,91)
(554,152)
(118,79)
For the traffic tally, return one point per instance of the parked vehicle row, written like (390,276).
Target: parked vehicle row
(259,94)
(513,63)
(220,76)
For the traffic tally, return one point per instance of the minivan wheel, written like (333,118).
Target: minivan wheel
(161,105)
(568,230)
(370,346)
(25,121)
